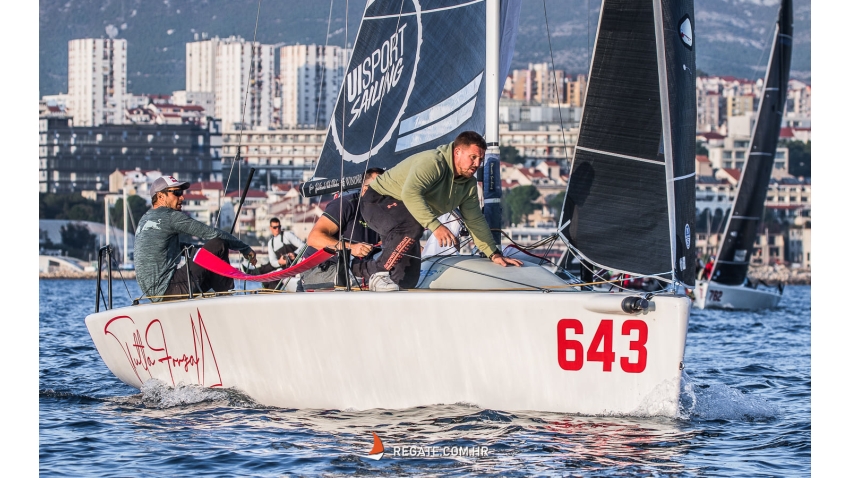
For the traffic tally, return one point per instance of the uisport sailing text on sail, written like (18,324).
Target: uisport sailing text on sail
(364,87)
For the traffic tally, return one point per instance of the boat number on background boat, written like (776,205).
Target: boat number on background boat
(571,353)
(715,295)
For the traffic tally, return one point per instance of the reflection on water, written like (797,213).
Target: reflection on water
(744,410)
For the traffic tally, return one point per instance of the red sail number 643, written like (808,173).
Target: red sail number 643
(602,345)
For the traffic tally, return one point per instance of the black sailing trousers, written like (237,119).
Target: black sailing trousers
(400,234)
(202,279)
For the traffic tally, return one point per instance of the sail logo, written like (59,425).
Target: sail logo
(377,451)
(376,75)
(686,32)
(687,236)
(380,79)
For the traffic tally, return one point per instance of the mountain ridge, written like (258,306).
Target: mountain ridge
(731,35)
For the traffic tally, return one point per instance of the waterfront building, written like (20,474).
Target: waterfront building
(79,158)
(541,140)
(798,109)
(280,156)
(204,99)
(731,153)
(311,78)
(97,81)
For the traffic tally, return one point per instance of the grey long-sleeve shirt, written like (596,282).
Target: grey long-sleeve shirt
(157,247)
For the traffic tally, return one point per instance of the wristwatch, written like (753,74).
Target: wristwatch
(497,251)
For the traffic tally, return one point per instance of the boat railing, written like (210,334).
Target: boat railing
(105,251)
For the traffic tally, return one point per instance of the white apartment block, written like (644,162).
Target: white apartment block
(97,81)
(311,78)
(200,65)
(204,99)
(733,153)
(289,155)
(224,67)
(798,110)
(547,142)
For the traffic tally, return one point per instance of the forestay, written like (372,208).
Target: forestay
(742,227)
(415,80)
(630,202)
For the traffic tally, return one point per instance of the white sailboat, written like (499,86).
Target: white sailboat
(728,286)
(474,332)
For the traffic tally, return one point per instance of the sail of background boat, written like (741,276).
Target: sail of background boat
(414,81)
(738,241)
(630,202)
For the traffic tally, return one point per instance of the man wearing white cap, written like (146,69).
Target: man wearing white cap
(158,250)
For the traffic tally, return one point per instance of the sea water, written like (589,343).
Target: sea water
(745,410)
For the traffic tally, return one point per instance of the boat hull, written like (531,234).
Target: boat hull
(711,295)
(363,350)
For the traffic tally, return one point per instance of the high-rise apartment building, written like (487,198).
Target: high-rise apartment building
(239,74)
(311,77)
(538,83)
(200,65)
(574,90)
(97,81)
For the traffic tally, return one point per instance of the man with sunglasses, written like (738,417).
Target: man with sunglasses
(282,247)
(158,250)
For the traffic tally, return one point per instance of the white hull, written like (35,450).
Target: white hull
(711,295)
(363,350)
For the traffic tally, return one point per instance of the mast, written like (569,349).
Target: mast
(491,178)
(125,222)
(106,218)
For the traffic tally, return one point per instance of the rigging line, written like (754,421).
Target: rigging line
(242,122)
(582,260)
(371,141)
(555,80)
(767,43)
(587,5)
(342,263)
(441,9)
(125,284)
(325,64)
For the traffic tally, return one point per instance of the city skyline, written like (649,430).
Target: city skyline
(731,45)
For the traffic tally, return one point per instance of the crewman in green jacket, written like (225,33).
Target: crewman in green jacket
(409,197)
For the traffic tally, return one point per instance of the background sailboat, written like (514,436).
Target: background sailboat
(728,286)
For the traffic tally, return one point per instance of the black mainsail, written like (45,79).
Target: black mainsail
(737,245)
(415,80)
(630,202)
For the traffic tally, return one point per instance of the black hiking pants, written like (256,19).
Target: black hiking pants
(400,235)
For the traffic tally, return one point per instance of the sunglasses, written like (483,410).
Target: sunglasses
(275,227)
(176,192)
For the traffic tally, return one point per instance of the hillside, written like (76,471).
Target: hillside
(731,35)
